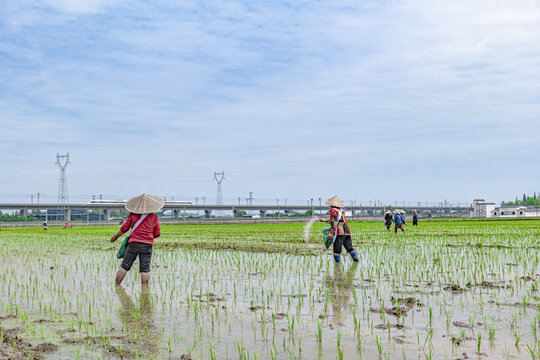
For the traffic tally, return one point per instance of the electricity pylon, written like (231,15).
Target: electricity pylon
(62,161)
(219,176)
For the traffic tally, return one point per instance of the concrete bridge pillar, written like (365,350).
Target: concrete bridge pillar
(176,213)
(106,215)
(207,213)
(67,215)
(235,213)
(263,213)
(23,212)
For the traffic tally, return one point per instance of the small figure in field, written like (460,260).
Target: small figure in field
(65,226)
(121,222)
(44,225)
(70,225)
(399,221)
(338,221)
(145,228)
(415,219)
(388,220)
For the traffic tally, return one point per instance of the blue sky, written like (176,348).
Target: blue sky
(392,100)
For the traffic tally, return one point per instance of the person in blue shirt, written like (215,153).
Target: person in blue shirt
(399,221)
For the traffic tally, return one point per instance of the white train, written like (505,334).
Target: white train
(178,202)
(108,202)
(122,202)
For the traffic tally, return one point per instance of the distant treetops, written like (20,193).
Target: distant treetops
(525,201)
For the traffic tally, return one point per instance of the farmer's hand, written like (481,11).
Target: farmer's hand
(114,238)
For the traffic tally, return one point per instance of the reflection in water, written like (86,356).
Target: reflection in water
(340,289)
(139,323)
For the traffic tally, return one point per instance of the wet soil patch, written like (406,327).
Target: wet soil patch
(483,285)
(14,348)
(46,348)
(390,326)
(208,298)
(8,353)
(462,324)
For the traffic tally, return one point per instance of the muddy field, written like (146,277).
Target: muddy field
(448,290)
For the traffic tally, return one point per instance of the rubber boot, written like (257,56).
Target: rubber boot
(354,256)
(337,257)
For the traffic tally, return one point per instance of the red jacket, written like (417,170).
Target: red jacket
(147,230)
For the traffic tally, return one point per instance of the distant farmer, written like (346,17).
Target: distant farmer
(338,221)
(399,221)
(415,219)
(145,228)
(44,226)
(388,219)
(402,214)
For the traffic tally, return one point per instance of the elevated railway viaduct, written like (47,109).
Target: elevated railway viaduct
(180,211)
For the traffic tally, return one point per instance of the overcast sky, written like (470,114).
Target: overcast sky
(414,100)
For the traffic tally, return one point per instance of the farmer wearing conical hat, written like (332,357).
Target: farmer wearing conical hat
(388,219)
(338,221)
(399,220)
(145,228)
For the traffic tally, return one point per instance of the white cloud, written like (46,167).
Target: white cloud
(81,7)
(271,92)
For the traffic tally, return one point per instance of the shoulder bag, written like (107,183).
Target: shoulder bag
(122,250)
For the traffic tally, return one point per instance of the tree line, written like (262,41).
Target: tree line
(526,200)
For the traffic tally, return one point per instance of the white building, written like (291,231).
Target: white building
(482,209)
(515,211)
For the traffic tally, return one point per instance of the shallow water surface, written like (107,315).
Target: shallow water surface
(407,298)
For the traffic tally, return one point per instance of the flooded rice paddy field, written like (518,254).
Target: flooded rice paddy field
(444,290)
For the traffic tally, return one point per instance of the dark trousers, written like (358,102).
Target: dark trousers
(343,240)
(134,249)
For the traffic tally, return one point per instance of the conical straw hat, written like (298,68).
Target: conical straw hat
(397,211)
(335,201)
(144,204)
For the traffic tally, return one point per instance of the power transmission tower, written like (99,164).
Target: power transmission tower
(219,176)
(62,161)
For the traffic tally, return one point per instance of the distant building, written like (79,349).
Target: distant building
(515,211)
(482,209)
